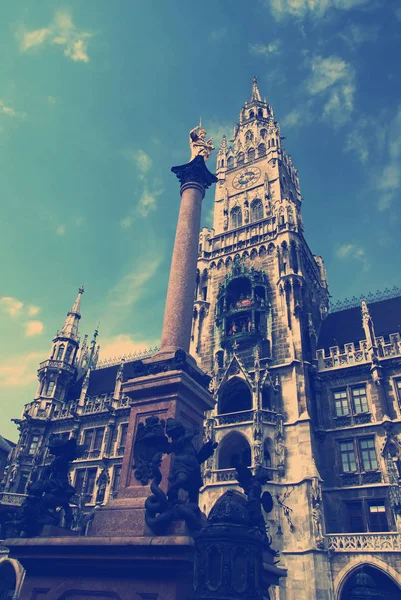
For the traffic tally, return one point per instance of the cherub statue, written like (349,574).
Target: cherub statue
(197,143)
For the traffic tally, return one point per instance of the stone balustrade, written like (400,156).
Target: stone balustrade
(11,499)
(244,416)
(353,355)
(364,542)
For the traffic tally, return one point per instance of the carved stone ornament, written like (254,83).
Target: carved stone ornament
(195,172)
(150,439)
(199,146)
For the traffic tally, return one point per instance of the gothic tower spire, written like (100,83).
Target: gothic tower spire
(70,327)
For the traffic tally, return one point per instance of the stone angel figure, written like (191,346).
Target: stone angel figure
(198,144)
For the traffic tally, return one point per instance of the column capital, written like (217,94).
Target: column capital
(195,172)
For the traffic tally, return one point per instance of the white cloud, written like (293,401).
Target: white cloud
(266,50)
(10,305)
(332,79)
(127,221)
(20,370)
(142,161)
(356,35)
(124,344)
(60,230)
(33,310)
(310,8)
(389,182)
(33,328)
(147,203)
(353,251)
(8,111)
(131,287)
(61,32)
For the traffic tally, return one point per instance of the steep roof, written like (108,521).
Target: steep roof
(345,326)
(5,445)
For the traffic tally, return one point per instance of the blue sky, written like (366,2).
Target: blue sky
(96,101)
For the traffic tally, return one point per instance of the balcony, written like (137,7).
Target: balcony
(57,365)
(364,542)
(11,499)
(244,416)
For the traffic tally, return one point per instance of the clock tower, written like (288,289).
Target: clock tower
(260,298)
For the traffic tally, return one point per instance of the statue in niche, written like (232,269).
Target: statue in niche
(252,486)
(199,146)
(49,496)
(225,223)
(185,481)
(317,517)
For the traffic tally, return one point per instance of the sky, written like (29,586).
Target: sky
(96,102)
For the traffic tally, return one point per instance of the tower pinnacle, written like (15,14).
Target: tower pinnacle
(255,94)
(70,327)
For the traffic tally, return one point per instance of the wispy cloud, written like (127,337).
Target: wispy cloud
(316,9)
(131,286)
(389,182)
(124,344)
(33,310)
(148,199)
(20,370)
(354,252)
(10,305)
(142,161)
(356,35)
(217,35)
(60,230)
(33,328)
(333,80)
(273,48)
(61,32)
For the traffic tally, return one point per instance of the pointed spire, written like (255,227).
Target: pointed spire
(255,94)
(223,145)
(367,324)
(70,327)
(92,353)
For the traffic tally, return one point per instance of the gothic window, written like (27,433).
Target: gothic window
(23,480)
(116,479)
(123,435)
(359,399)
(204,293)
(240,158)
(366,515)
(57,391)
(33,444)
(266,397)
(222,162)
(348,460)
(273,142)
(50,388)
(341,403)
(230,162)
(267,457)
(281,219)
(68,354)
(251,154)
(235,397)
(260,112)
(263,134)
(261,150)
(369,582)
(60,352)
(234,448)
(249,136)
(236,217)
(85,480)
(368,454)
(251,114)
(256,210)
(8,581)
(93,440)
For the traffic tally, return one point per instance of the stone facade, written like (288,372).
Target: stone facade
(312,394)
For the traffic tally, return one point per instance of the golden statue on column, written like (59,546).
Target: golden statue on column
(197,143)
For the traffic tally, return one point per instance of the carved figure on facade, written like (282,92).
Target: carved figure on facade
(102,482)
(185,480)
(49,497)
(199,146)
(150,438)
(280,447)
(257,425)
(317,516)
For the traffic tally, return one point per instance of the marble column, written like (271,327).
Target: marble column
(194,178)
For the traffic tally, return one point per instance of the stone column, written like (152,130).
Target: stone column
(194,178)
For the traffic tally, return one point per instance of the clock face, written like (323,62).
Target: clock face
(246,177)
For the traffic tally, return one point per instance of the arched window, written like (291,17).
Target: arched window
(273,142)
(256,210)
(50,388)
(240,158)
(233,448)
(262,150)
(222,162)
(8,581)
(230,162)
(236,217)
(60,352)
(235,397)
(251,114)
(260,112)
(267,453)
(68,354)
(266,398)
(249,136)
(263,133)
(251,154)
(369,582)
(281,219)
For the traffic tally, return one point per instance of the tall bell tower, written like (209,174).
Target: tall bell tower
(260,298)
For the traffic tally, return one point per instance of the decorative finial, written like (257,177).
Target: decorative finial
(255,94)
(81,290)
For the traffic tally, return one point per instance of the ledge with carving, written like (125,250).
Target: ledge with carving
(11,499)
(364,542)
(58,365)
(352,420)
(359,479)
